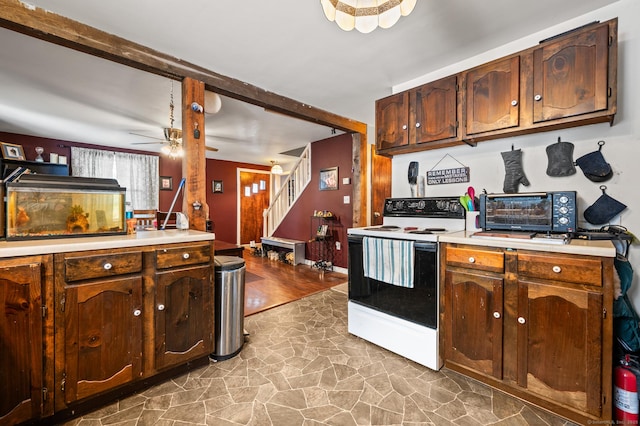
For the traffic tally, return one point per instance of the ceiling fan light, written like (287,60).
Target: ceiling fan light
(366,15)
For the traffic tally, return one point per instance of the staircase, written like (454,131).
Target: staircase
(291,189)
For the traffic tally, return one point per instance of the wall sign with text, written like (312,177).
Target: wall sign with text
(444,176)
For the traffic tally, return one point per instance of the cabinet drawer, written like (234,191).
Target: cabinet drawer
(179,256)
(102,265)
(554,266)
(475,258)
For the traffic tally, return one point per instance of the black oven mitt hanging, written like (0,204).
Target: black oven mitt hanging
(594,166)
(560,159)
(514,174)
(604,209)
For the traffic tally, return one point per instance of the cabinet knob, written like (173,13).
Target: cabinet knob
(556,269)
(185,255)
(161,307)
(404,127)
(472,259)
(537,97)
(496,315)
(417,124)
(521,320)
(514,102)
(137,313)
(107,266)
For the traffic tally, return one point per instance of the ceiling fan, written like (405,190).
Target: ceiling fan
(172,137)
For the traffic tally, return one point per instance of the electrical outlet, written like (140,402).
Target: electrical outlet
(338,245)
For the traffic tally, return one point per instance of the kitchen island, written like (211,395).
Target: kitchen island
(533,319)
(89,319)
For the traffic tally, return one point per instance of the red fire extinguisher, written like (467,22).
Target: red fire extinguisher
(625,391)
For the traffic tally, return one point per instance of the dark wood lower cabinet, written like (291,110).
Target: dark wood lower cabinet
(536,325)
(22,388)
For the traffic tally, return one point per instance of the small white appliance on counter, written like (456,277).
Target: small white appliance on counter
(394,276)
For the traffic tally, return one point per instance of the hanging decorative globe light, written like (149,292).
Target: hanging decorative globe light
(366,15)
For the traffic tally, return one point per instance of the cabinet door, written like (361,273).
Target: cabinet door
(473,335)
(392,114)
(20,343)
(183,315)
(570,76)
(433,111)
(492,96)
(103,336)
(560,344)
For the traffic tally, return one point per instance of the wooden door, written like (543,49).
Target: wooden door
(473,315)
(560,344)
(380,185)
(103,336)
(254,199)
(392,116)
(21,348)
(433,111)
(492,96)
(570,76)
(183,315)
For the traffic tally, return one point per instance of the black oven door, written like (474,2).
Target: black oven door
(418,304)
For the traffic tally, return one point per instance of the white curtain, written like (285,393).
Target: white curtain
(136,172)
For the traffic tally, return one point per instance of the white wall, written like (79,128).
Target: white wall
(622,148)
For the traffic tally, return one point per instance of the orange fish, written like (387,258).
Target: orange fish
(22,218)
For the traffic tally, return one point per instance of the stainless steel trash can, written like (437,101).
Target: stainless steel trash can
(229,307)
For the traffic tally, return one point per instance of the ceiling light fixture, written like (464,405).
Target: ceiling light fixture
(366,15)
(276,168)
(173,149)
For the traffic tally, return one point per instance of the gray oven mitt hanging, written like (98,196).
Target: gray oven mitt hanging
(604,209)
(560,159)
(594,166)
(514,174)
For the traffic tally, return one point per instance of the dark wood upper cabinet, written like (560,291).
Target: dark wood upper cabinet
(392,121)
(566,81)
(492,100)
(570,75)
(433,112)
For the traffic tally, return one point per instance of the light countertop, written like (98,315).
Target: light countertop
(63,245)
(603,248)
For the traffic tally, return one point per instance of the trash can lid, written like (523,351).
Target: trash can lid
(228,263)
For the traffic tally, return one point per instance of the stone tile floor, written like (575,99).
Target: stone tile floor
(300,366)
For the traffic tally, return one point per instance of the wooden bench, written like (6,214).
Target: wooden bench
(223,248)
(296,246)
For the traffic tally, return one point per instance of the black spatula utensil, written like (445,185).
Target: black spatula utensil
(413,177)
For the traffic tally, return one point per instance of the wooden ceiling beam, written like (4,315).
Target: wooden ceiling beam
(39,23)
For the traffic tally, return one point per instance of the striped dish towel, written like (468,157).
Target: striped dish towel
(389,261)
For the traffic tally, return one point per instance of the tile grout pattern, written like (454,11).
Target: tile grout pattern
(300,366)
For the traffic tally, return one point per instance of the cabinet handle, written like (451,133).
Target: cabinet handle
(417,124)
(185,256)
(472,259)
(514,102)
(556,269)
(137,313)
(404,127)
(537,97)
(521,320)
(107,266)
(161,307)
(496,315)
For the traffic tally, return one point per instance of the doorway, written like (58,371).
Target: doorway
(254,197)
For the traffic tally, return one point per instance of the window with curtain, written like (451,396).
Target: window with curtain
(138,173)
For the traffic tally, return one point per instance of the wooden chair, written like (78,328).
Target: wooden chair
(171,223)
(145,220)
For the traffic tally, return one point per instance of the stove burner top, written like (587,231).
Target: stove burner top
(384,228)
(426,231)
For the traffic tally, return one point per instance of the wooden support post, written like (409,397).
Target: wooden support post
(194,160)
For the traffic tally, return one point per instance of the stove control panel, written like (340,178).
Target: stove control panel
(434,207)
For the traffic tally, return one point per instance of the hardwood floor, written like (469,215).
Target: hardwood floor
(270,283)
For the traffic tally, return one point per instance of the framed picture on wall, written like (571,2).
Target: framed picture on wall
(11,151)
(166,183)
(329,179)
(217,187)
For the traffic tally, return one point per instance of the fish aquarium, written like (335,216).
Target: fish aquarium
(48,206)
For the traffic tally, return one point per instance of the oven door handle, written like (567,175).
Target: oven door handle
(425,246)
